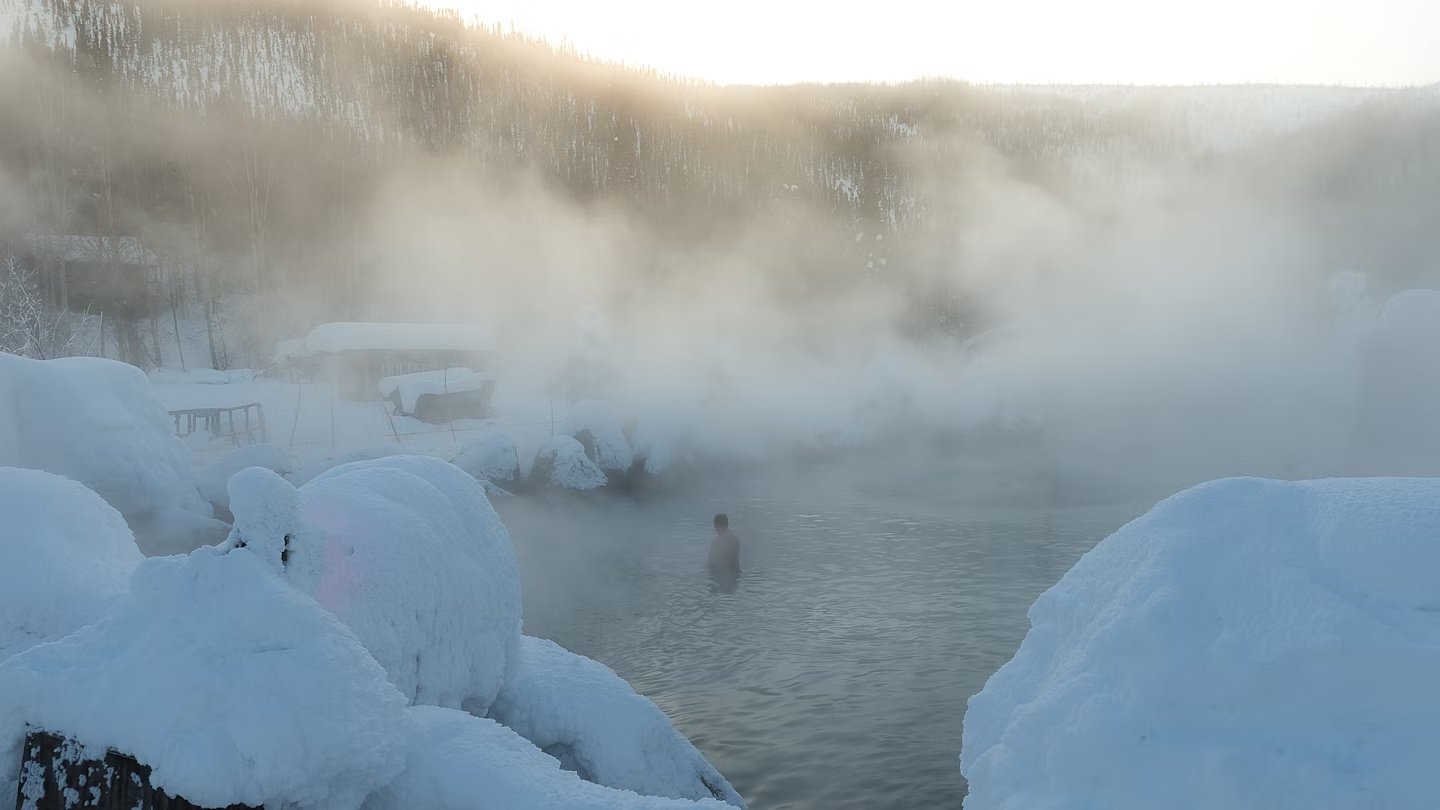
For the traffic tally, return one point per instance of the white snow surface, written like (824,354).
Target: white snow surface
(450,381)
(95,421)
(612,449)
(581,712)
(460,762)
(65,555)
(562,463)
(490,456)
(1246,644)
(230,683)
(407,552)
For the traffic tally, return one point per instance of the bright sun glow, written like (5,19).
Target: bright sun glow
(1385,42)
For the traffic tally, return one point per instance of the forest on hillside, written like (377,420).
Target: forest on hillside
(309,153)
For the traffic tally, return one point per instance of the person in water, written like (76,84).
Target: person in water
(724,558)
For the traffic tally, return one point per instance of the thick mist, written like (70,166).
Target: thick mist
(1182,324)
(1125,288)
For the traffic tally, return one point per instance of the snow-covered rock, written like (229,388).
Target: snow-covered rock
(460,762)
(1247,644)
(213,478)
(407,552)
(599,431)
(65,555)
(94,421)
(230,683)
(561,463)
(583,714)
(492,457)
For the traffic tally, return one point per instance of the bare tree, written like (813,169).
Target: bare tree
(30,328)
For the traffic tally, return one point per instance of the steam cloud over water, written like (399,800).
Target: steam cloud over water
(1131,284)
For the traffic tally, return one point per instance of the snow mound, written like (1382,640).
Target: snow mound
(561,463)
(213,478)
(95,421)
(1413,314)
(460,762)
(1246,644)
(598,430)
(408,553)
(491,457)
(589,718)
(231,684)
(65,555)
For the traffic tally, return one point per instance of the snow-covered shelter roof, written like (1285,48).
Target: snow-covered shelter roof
(418,337)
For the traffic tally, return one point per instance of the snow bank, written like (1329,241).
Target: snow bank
(94,421)
(460,762)
(213,478)
(409,554)
(589,718)
(65,555)
(1246,644)
(231,684)
(596,427)
(491,457)
(561,463)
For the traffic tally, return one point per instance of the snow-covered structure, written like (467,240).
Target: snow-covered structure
(408,552)
(94,421)
(440,396)
(1247,644)
(491,456)
(561,463)
(65,555)
(358,355)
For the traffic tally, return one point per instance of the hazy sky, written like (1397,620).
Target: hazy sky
(1074,41)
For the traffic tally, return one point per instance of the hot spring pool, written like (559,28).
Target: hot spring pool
(836,674)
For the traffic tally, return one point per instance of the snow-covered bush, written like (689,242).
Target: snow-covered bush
(583,714)
(491,457)
(408,552)
(231,684)
(65,555)
(94,421)
(460,762)
(1247,644)
(561,463)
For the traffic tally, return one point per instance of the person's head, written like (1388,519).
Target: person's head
(722,523)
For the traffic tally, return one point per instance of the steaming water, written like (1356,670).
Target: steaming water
(836,674)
